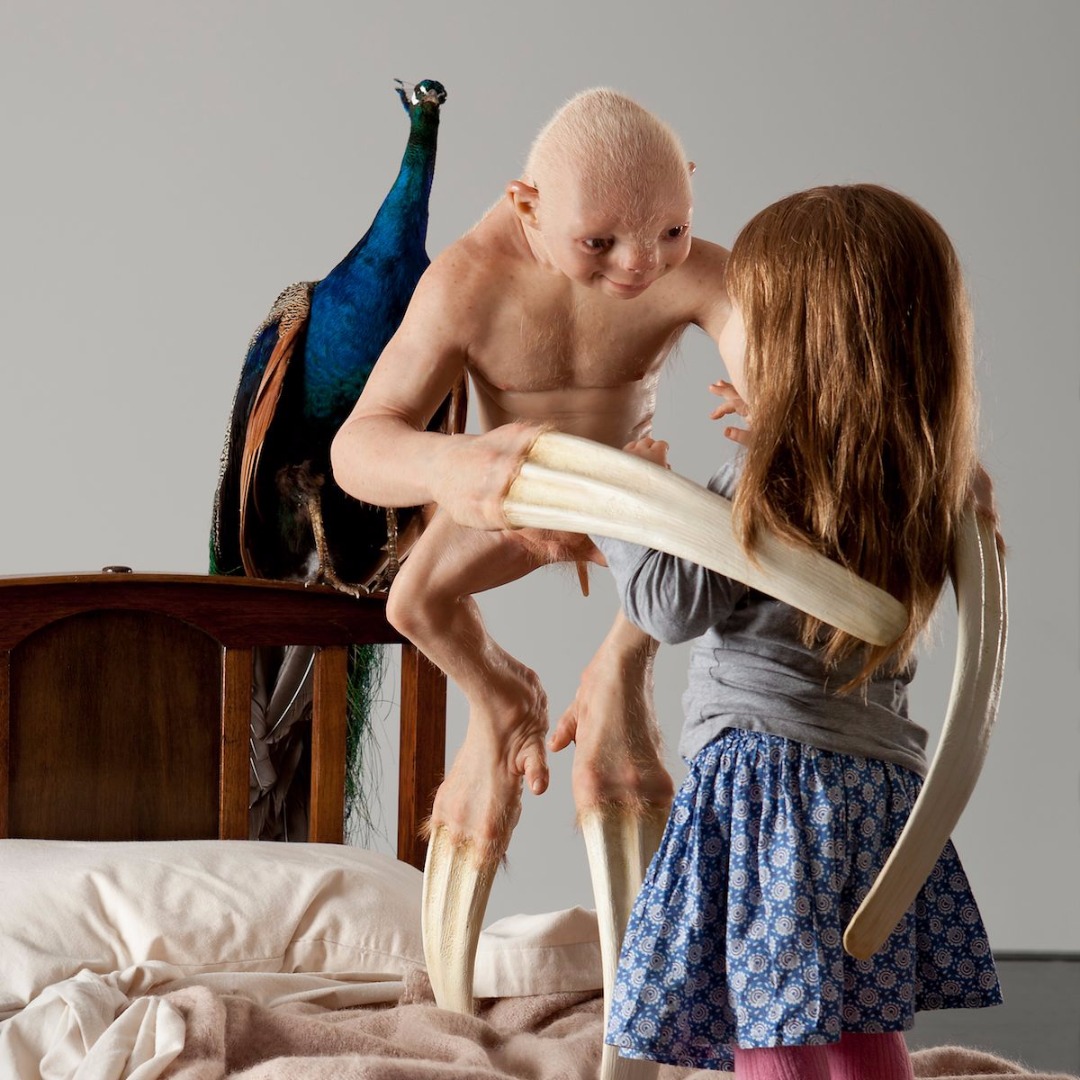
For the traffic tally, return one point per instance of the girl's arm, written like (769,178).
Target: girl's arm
(671,599)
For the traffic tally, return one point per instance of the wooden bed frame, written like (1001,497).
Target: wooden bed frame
(100,670)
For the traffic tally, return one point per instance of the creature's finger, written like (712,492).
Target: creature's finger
(577,485)
(619,844)
(565,732)
(457,882)
(980,659)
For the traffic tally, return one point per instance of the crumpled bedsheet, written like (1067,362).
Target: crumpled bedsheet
(145,1023)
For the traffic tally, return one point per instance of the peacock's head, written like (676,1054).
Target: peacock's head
(428,92)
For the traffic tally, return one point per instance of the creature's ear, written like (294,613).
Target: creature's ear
(691,167)
(525,200)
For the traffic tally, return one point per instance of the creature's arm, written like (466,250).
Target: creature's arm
(383,455)
(706,291)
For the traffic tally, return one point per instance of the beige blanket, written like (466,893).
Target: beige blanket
(549,1037)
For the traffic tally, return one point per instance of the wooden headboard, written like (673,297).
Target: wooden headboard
(125,705)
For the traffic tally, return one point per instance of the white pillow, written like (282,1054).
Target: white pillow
(201,905)
(557,952)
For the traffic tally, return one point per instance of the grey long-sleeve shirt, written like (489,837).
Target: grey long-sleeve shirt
(748,667)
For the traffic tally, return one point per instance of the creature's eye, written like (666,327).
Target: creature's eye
(677,231)
(597,245)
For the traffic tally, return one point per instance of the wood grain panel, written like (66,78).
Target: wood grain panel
(235,741)
(422,758)
(328,722)
(96,754)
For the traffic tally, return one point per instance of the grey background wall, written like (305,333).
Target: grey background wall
(168,167)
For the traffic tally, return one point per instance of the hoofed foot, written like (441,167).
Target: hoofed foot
(456,887)
(620,844)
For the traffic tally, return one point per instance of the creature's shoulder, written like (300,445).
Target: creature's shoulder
(701,281)
(464,279)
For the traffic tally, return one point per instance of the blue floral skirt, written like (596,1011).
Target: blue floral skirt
(736,938)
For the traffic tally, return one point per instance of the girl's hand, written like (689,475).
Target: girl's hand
(655,450)
(732,404)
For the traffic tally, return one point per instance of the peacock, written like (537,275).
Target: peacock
(277,512)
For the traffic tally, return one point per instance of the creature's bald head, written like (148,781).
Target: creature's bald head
(603,142)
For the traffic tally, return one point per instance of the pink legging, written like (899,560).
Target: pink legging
(854,1057)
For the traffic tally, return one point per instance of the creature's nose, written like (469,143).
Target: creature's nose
(641,260)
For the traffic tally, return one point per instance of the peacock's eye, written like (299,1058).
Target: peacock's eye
(597,245)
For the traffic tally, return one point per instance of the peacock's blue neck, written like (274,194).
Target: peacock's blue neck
(400,227)
(358,305)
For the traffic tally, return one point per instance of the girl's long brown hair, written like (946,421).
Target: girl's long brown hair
(860,380)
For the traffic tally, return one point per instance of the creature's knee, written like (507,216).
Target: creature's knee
(412,604)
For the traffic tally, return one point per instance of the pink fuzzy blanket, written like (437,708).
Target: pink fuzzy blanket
(552,1037)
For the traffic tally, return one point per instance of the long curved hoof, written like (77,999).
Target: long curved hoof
(620,845)
(577,485)
(456,889)
(980,660)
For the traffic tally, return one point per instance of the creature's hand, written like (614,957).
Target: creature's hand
(982,489)
(655,450)
(611,719)
(732,404)
(473,473)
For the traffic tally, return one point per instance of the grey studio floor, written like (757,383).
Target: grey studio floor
(1039,1024)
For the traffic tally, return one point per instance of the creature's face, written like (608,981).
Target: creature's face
(618,245)
(732,344)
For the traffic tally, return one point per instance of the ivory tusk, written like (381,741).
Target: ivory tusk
(980,587)
(456,889)
(577,485)
(619,845)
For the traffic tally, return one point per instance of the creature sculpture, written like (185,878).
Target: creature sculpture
(277,511)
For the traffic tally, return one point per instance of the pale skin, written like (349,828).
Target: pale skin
(562,307)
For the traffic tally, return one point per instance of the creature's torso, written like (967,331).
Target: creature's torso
(551,351)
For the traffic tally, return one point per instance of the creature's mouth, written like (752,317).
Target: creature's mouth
(629,289)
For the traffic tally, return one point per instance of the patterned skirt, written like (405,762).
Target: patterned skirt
(736,938)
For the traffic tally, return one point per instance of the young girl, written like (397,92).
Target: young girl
(849,349)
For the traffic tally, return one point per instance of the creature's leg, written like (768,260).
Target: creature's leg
(621,790)
(431,603)
(478,803)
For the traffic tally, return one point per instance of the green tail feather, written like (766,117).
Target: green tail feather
(367,666)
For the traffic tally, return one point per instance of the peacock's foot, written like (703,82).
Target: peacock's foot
(457,882)
(326,576)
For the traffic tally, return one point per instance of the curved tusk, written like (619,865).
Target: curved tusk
(456,889)
(620,845)
(577,485)
(980,587)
